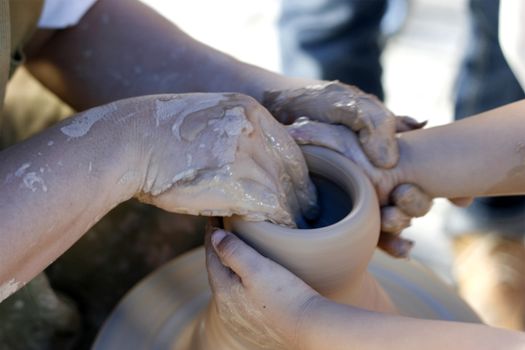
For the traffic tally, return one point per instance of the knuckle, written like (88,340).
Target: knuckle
(411,200)
(394,220)
(229,247)
(244,100)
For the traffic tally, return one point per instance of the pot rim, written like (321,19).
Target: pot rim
(351,179)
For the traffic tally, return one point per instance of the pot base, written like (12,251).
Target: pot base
(161,311)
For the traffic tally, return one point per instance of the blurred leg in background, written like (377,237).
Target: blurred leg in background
(333,40)
(490,265)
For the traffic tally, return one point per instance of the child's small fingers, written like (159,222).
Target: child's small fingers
(238,256)
(405,123)
(394,220)
(395,245)
(462,202)
(220,277)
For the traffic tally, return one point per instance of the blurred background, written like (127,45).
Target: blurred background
(421,46)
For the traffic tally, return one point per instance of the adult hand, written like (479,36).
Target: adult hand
(255,297)
(221,154)
(338,103)
(399,201)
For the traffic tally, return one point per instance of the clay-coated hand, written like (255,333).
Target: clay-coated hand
(256,298)
(338,103)
(399,202)
(222,154)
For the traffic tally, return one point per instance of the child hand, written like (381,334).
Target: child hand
(255,297)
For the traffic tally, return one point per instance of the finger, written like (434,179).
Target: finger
(309,132)
(395,246)
(220,277)
(274,163)
(393,220)
(411,200)
(335,137)
(243,260)
(404,123)
(462,202)
(340,139)
(293,163)
(259,175)
(378,137)
(259,169)
(259,194)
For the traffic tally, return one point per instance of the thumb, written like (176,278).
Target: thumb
(238,256)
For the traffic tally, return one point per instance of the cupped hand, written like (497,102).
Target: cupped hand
(338,103)
(256,298)
(222,154)
(399,201)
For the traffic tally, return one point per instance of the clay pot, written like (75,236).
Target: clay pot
(329,257)
(332,259)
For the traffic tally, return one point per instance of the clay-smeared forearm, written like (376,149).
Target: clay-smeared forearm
(56,185)
(478,156)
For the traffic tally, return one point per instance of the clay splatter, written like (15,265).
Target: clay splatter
(22,169)
(80,126)
(33,181)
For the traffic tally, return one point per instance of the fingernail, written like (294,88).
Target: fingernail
(217,237)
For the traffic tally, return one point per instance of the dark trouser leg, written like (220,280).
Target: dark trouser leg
(486,82)
(333,39)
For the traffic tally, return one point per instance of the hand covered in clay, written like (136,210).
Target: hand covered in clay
(399,202)
(338,103)
(222,154)
(255,297)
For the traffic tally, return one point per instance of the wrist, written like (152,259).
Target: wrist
(143,133)
(405,171)
(121,134)
(308,328)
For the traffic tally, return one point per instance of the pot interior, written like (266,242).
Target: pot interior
(334,203)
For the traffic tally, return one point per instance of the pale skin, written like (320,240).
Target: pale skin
(55,186)
(478,156)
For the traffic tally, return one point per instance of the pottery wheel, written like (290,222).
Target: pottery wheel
(159,312)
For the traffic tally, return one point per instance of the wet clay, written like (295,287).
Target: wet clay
(338,103)
(232,158)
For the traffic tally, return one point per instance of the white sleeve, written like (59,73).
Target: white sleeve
(58,14)
(512,36)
